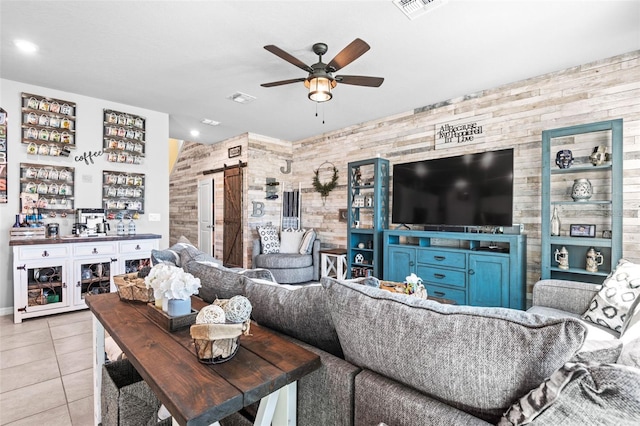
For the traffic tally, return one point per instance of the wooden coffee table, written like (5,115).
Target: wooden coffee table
(265,368)
(395,287)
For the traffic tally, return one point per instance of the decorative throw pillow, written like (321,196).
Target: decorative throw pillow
(580,394)
(306,245)
(611,306)
(172,254)
(165,256)
(290,240)
(269,239)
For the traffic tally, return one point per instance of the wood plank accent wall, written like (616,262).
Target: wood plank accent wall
(517,113)
(264,156)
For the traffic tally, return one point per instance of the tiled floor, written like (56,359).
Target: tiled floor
(46,370)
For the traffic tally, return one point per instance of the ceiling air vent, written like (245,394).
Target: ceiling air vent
(414,8)
(241,98)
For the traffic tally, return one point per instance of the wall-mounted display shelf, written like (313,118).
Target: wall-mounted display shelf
(124,137)
(123,194)
(582,184)
(368,216)
(46,189)
(48,125)
(3,156)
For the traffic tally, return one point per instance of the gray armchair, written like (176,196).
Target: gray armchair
(559,298)
(289,268)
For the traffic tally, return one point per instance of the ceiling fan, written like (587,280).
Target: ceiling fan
(321,80)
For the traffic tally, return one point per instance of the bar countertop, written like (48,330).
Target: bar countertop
(73,239)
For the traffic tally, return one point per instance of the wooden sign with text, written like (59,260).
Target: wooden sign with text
(465,131)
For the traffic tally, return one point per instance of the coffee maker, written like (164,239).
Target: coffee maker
(93,221)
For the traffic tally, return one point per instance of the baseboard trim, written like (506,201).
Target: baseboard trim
(6,311)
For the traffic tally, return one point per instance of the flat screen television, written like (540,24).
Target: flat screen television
(467,190)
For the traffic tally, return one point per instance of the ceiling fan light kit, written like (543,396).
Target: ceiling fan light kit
(320,80)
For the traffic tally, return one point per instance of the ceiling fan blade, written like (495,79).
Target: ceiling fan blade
(280,83)
(287,57)
(349,54)
(360,80)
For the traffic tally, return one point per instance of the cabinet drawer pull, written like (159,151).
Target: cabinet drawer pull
(45,253)
(471,272)
(113,260)
(411,263)
(79,284)
(439,293)
(95,251)
(138,247)
(439,258)
(64,285)
(439,276)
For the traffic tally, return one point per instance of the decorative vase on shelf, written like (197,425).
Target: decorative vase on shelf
(581,190)
(165,304)
(555,223)
(179,307)
(17,224)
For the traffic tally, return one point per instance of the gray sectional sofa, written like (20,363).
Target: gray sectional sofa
(398,360)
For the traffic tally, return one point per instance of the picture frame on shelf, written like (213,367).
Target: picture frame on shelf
(582,230)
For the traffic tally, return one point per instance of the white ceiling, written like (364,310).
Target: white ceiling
(186,57)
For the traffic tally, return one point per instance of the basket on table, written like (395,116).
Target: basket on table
(217,343)
(218,328)
(132,288)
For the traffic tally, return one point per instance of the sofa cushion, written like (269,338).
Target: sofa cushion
(297,311)
(617,298)
(630,354)
(306,245)
(283,261)
(269,240)
(290,240)
(191,253)
(476,359)
(217,281)
(378,398)
(601,343)
(581,394)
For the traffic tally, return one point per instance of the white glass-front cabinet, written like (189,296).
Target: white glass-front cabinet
(42,279)
(54,278)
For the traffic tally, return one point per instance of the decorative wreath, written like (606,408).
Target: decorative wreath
(325,188)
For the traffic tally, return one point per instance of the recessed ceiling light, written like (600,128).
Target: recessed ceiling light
(195,133)
(241,98)
(210,122)
(26,46)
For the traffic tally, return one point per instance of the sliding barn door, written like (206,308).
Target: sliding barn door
(232,232)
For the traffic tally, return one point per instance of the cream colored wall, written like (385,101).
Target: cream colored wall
(174,151)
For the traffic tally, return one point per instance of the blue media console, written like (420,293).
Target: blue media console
(470,268)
